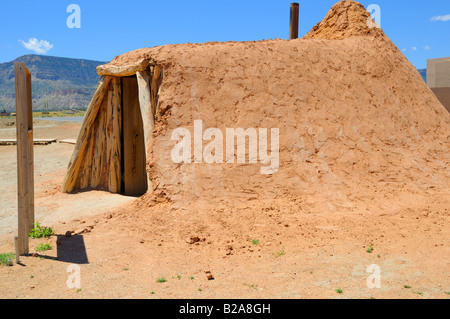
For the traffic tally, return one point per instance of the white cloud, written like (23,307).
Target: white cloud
(404,50)
(38,46)
(426,48)
(441,18)
(414,48)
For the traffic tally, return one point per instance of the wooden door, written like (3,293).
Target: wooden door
(134,166)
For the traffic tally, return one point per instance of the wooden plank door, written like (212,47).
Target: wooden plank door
(135,175)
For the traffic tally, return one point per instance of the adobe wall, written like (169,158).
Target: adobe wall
(438,73)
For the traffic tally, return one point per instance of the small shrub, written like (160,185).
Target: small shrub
(339,291)
(44,247)
(161,280)
(4,258)
(39,232)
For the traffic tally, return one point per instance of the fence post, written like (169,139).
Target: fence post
(25,169)
(293,27)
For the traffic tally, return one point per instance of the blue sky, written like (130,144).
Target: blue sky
(421,29)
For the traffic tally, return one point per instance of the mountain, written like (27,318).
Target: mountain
(58,83)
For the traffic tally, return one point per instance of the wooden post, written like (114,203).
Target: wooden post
(293,28)
(25,170)
(148,120)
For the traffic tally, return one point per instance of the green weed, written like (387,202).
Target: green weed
(39,232)
(4,258)
(280,253)
(251,286)
(44,247)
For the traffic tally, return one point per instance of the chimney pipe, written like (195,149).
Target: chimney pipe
(293,28)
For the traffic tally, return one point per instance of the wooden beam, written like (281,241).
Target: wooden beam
(148,119)
(86,167)
(25,169)
(147,113)
(78,155)
(99,141)
(124,70)
(114,132)
(156,81)
(68,141)
(293,26)
(36,141)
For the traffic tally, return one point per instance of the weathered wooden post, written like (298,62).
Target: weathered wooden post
(25,170)
(293,27)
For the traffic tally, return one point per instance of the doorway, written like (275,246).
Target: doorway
(134,174)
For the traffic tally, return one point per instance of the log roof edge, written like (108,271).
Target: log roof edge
(124,70)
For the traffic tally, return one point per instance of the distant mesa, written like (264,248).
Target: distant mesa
(58,83)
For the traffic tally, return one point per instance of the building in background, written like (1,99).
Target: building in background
(438,79)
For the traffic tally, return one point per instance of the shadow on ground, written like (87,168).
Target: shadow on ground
(72,249)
